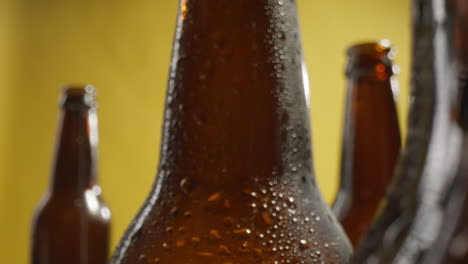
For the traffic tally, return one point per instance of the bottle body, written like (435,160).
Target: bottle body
(72,222)
(450,247)
(235,181)
(413,217)
(371,142)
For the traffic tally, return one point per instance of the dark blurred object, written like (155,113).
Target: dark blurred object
(451,245)
(424,220)
(72,223)
(371,143)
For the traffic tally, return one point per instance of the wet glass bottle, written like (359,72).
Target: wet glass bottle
(371,137)
(235,181)
(414,215)
(72,223)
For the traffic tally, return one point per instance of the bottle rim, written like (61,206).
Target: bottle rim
(381,47)
(78,97)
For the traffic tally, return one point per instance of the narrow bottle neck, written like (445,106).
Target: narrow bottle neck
(236,89)
(75,157)
(373,138)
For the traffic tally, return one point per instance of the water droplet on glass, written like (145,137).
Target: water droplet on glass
(180,243)
(136,236)
(195,240)
(166,246)
(223,250)
(187,185)
(214,234)
(242,232)
(228,221)
(266,218)
(214,197)
(205,254)
(174,211)
(188,213)
(303,244)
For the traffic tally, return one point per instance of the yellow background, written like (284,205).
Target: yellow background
(123,47)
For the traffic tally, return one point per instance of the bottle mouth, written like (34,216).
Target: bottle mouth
(382,48)
(370,58)
(78,97)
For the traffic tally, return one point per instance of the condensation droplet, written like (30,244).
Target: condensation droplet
(228,221)
(188,213)
(266,218)
(174,211)
(214,197)
(303,244)
(136,236)
(186,185)
(242,232)
(205,254)
(223,250)
(180,243)
(195,240)
(214,234)
(166,246)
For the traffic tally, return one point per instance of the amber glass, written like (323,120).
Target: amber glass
(371,137)
(235,181)
(415,217)
(71,224)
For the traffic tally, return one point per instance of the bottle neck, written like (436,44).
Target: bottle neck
(75,156)
(236,104)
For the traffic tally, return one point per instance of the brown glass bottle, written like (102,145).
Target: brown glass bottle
(371,137)
(72,223)
(235,181)
(414,217)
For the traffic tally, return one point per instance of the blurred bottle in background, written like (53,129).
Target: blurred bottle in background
(427,201)
(451,244)
(371,136)
(72,223)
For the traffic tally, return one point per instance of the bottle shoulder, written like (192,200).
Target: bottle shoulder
(68,208)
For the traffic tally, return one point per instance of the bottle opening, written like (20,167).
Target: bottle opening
(382,47)
(370,58)
(78,97)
